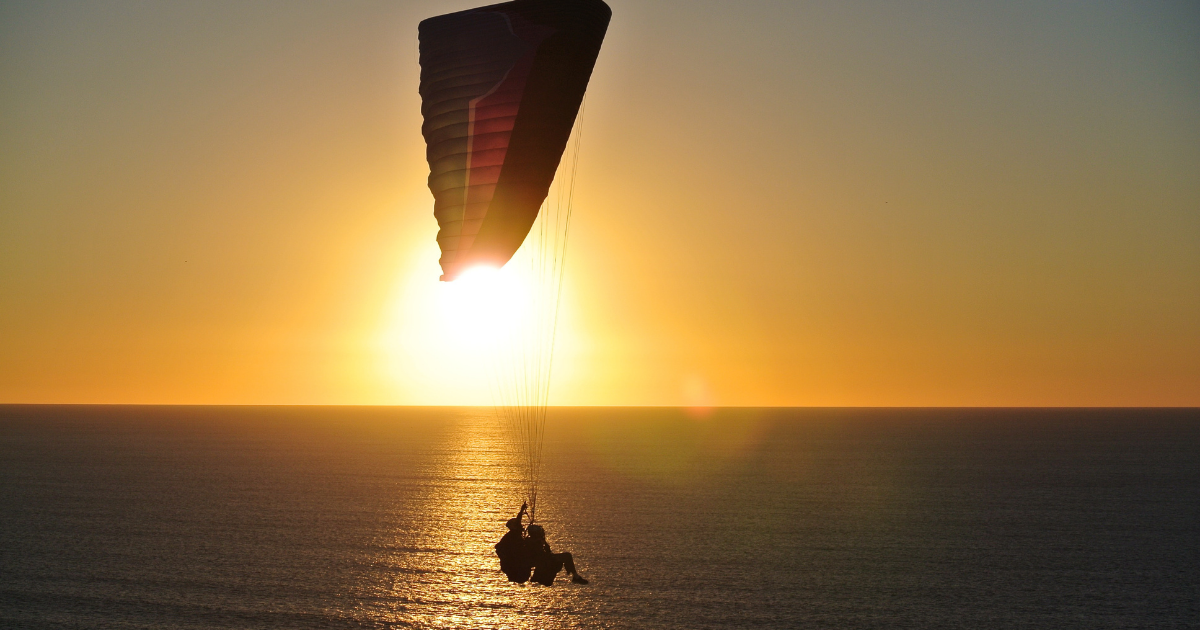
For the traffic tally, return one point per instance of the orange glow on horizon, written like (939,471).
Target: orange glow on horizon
(777,204)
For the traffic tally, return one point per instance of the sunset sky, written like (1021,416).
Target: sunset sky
(779,203)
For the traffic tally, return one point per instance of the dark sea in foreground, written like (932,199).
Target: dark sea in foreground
(304,517)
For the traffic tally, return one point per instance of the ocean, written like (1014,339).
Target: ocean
(358,517)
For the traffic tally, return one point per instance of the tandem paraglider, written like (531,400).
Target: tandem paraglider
(502,91)
(525,555)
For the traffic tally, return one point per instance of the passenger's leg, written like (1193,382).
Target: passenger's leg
(569,565)
(567,561)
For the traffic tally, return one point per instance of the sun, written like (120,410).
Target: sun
(485,308)
(444,341)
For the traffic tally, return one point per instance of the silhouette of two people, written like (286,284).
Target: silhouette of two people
(525,555)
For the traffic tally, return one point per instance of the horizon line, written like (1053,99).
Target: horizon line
(686,407)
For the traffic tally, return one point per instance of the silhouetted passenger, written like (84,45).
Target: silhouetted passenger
(514,556)
(547,563)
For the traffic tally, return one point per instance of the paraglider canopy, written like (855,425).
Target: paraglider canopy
(501,86)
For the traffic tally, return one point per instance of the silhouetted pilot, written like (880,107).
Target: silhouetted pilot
(514,557)
(548,563)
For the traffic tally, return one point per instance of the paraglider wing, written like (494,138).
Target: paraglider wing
(500,88)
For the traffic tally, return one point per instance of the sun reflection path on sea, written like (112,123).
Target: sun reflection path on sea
(441,570)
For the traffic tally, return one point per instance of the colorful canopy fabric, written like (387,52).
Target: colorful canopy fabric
(500,88)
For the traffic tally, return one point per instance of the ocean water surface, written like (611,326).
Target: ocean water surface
(305,517)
